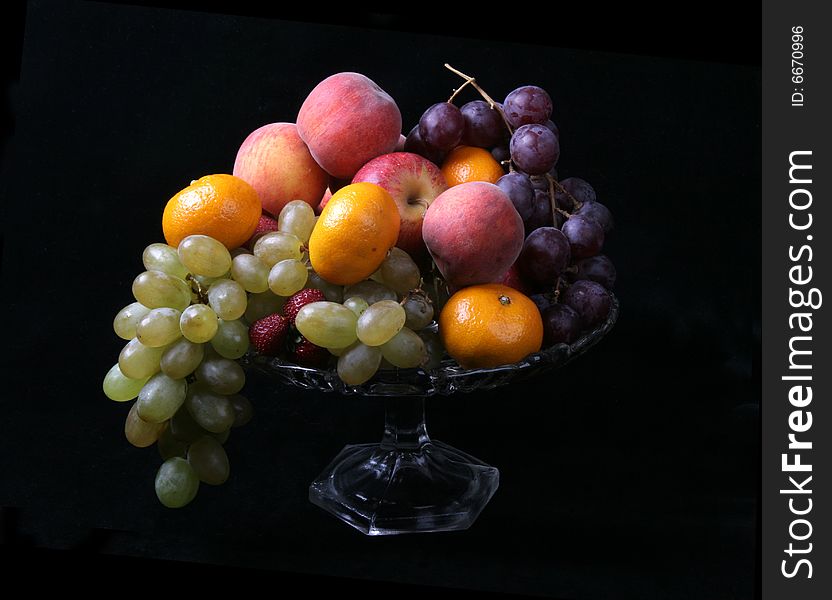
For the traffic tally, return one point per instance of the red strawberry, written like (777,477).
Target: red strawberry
(266,224)
(268,335)
(299,300)
(308,354)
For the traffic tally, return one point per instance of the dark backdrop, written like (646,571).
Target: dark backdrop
(630,473)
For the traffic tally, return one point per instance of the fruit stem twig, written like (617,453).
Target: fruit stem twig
(201,294)
(483,93)
(575,202)
(459,89)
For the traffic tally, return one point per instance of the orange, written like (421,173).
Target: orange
(221,206)
(467,163)
(357,227)
(488,325)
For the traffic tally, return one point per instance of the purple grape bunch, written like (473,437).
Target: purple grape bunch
(562,266)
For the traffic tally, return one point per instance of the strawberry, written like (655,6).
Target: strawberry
(299,300)
(268,335)
(266,224)
(307,354)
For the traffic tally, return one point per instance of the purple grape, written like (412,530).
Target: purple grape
(484,126)
(518,188)
(586,236)
(597,212)
(544,256)
(596,268)
(590,300)
(500,153)
(554,128)
(534,149)
(542,301)
(441,126)
(579,189)
(527,104)
(415,144)
(561,324)
(541,214)
(539,182)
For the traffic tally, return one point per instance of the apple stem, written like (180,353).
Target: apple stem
(468,79)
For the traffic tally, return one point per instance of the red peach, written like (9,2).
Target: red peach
(346,120)
(276,162)
(473,233)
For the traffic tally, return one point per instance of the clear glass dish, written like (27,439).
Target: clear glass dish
(409,483)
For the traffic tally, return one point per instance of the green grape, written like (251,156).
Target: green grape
(379,323)
(161,257)
(203,255)
(155,289)
(287,277)
(221,375)
(221,437)
(243,410)
(169,446)
(332,292)
(399,272)
(213,412)
(405,350)
(275,246)
(231,340)
(209,460)
(228,299)
(327,324)
(181,358)
(138,361)
(120,388)
(356,304)
(198,323)
(160,398)
(434,348)
(340,351)
(128,318)
(419,311)
(377,276)
(261,305)
(297,218)
(250,272)
(182,424)
(370,291)
(385,365)
(238,251)
(358,364)
(138,432)
(176,483)
(159,327)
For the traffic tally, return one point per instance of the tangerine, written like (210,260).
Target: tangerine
(222,206)
(357,227)
(468,163)
(488,325)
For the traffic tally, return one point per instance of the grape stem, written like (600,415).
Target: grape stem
(459,89)
(201,294)
(470,80)
(575,202)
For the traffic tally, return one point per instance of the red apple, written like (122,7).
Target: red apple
(322,204)
(513,279)
(413,182)
(347,120)
(473,233)
(276,162)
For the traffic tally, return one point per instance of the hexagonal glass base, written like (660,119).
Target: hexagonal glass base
(407,483)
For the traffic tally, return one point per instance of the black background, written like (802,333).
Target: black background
(631,473)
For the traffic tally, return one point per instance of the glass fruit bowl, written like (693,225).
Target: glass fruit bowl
(409,483)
